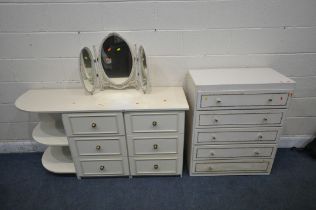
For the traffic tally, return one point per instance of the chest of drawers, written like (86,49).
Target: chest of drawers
(235,119)
(111,133)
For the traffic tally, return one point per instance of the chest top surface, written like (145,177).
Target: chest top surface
(76,100)
(261,78)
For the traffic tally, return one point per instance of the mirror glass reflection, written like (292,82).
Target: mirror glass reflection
(116,57)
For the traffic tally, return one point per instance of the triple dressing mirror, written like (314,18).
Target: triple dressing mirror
(115,65)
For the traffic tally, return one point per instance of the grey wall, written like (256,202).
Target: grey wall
(40,41)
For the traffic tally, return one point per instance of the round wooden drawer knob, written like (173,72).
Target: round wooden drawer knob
(98,147)
(156,166)
(93,125)
(154,123)
(102,168)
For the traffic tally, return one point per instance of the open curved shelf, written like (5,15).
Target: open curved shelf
(50,133)
(57,159)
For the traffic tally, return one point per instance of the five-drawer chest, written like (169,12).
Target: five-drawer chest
(110,133)
(235,119)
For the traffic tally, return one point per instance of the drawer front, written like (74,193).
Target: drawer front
(154,122)
(240,119)
(100,146)
(236,136)
(229,100)
(104,167)
(233,167)
(235,151)
(153,145)
(94,124)
(154,166)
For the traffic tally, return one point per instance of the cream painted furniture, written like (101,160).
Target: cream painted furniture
(235,119)
(110,133)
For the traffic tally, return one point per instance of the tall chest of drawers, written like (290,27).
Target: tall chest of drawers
(235,119)
(110,133)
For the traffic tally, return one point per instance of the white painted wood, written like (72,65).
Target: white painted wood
(236,135)
(155,138)
(97,139)
(155,145)
(222,133)
(233,167)
(236,118)
(52,133)
(91,146)
(58,159)
(230,100)
(160,166)
(241,78)
(154,122)
(94,124)
(235,151)
(104,167)
(75,100)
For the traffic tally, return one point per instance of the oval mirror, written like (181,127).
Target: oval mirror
(116,58)
(143,70)
(87,70)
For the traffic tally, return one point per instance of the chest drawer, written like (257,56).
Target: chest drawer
(154,145)
(154,166)
(104,167)
(153,122)
(242,100)
(235,151)
(99,145)
(234,135)
(237,117)
(94,124)
(233,167)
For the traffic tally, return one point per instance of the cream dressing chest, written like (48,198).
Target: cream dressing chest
(235,119)
(110,133)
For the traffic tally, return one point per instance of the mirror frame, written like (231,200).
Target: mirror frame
(106,81)
(145,85)
(82,70)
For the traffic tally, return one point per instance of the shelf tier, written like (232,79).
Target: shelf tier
(50,133)
(57,159)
